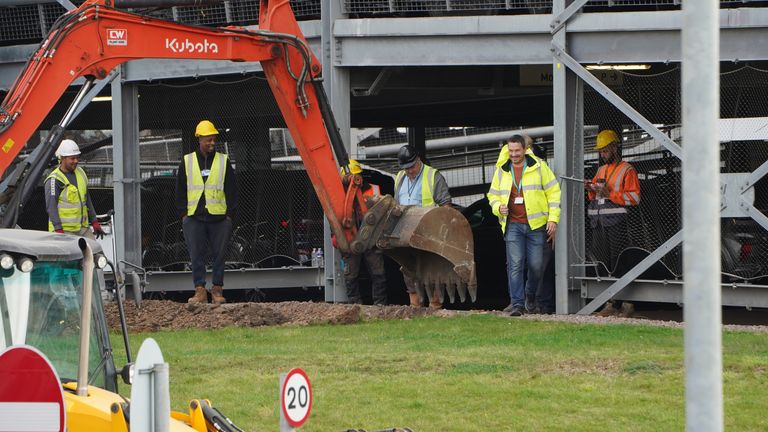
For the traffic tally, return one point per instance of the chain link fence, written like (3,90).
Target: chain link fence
(743,136)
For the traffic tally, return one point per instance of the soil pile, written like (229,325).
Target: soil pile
(156,315)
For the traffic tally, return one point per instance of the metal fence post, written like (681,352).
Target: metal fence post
(701,217)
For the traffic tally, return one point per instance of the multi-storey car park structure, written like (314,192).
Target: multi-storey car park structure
(455,78)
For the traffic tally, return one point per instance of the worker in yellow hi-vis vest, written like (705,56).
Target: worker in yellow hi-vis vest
(419,184)
(206,196)
(67,201)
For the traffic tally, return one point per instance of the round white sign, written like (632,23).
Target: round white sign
(296,398)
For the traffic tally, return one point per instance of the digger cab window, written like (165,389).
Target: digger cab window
(42,309)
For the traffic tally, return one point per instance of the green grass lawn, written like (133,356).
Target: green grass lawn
(470,373)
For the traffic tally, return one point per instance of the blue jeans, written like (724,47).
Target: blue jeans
(525,247)
(202,237)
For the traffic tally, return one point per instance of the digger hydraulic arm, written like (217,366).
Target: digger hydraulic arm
(434,246)
(93,39)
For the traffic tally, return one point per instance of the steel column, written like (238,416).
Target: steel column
(336,83)
(568,145)
(701,217)
(127,174)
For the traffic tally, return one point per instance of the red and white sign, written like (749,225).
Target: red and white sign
(117,37)
(296,398)
(31,399)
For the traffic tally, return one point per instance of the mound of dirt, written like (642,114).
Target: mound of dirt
(168,315)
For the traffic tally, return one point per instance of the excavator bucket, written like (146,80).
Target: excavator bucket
(434,247)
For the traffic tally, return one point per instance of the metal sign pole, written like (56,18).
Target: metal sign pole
(701,216)
(284,426)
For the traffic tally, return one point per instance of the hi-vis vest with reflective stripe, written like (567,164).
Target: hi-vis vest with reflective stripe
(624,188)
(427,185)
(213,187)
(541,192)
(73,212)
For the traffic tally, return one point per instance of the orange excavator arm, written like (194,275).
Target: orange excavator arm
(434,247)
(93,39)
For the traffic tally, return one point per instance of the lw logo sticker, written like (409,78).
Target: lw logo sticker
(117,37)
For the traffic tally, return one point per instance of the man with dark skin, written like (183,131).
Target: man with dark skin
(613,191)
(206,196)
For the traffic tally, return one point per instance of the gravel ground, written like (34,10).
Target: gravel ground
(168,315)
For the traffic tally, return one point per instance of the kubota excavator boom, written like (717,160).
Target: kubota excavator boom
(433,245)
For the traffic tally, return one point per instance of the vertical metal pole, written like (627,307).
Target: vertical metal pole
(284,426)
(126,171)
(336,84)
(161,398)
(701,217)
(568,160)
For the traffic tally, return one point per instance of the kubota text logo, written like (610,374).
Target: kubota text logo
(117,37)
(189,46)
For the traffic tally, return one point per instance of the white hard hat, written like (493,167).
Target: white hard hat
(67,148)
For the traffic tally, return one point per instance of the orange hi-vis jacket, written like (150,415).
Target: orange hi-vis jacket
(624,191)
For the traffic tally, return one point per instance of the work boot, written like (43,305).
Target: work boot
(217,295)
(627,310)
(608,310)
(201,295)
(414,299)
(435,303)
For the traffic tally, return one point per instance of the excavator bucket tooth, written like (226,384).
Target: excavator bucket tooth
(433,245)
(450,289)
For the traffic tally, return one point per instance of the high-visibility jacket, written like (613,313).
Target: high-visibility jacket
(427,185)
(624,191)
(73,211)
(541,192)
(213,187)
(372,191)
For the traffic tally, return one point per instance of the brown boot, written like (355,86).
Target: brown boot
(627,310)
(414,299)
(435,303)
(608,310)
(217,295)
(201,295)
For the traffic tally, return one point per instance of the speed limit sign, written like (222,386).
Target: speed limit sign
(296,397)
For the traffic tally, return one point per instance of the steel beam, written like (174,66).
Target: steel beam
(631,275)
(617,101)
(525,39)
(641,290)
(287,277)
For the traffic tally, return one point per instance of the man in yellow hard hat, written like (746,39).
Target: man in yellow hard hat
(67,201)
(206,197)
(373,257)
(614,189)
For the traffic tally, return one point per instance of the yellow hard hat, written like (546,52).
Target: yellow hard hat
(353,167)
(606,138)
(205,128)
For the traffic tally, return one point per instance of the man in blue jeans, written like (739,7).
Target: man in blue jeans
(525,196)
(206,196)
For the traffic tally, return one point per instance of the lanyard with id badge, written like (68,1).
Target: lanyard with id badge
(519,197)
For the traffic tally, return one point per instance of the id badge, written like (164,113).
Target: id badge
(601,201)
(205,172)
(518,200)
